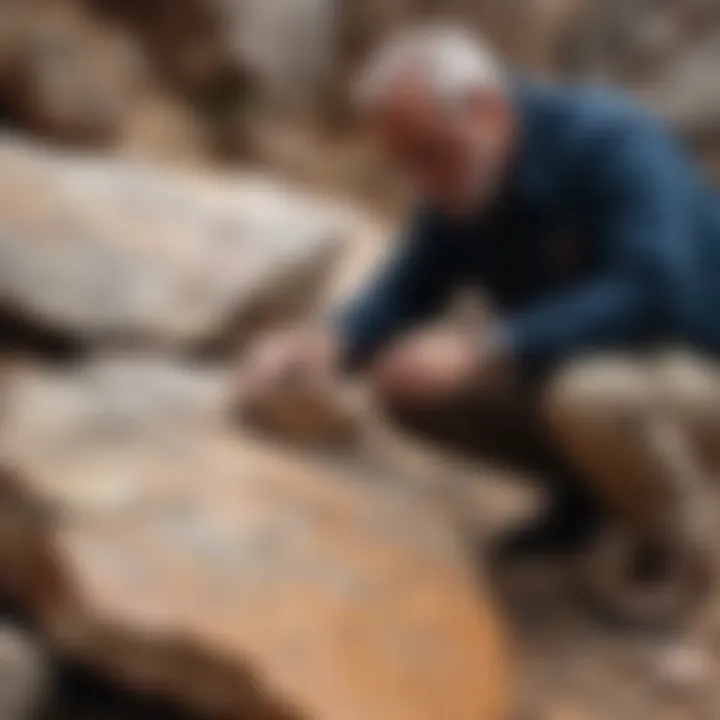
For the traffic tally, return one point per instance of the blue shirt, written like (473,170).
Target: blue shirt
(606,236)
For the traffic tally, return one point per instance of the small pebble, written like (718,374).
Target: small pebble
(684,669)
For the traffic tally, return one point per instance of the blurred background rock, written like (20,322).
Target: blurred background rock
(228,80)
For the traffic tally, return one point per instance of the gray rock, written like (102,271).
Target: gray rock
(112,252)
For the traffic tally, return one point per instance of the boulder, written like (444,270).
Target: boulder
(104,74)
(118,252)
(67,76)
(168,552)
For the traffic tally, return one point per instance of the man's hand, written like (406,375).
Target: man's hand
(289,357)
(435,366)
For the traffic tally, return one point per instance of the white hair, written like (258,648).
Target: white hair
(452,61)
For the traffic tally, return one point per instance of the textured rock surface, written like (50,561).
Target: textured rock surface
(187,561)
(103,250)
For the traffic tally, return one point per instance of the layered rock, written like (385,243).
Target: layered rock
(158,546)
(112,252)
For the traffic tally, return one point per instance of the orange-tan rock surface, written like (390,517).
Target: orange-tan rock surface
(160,546)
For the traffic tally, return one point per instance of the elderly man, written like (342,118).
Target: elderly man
(581,218)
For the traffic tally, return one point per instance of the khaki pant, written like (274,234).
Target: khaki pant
(642,434)
(646,434)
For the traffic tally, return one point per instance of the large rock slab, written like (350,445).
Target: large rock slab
(111,251)
(157,545)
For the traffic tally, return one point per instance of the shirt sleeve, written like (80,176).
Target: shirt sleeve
(641,188)
(414,285)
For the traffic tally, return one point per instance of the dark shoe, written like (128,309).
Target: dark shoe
(643,587)
(565,529)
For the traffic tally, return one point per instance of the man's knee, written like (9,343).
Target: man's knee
(689,390)
(596,395)
(687,384)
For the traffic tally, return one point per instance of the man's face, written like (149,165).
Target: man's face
(454,157)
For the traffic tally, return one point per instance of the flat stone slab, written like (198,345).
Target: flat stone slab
(243,580)
(111,251)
